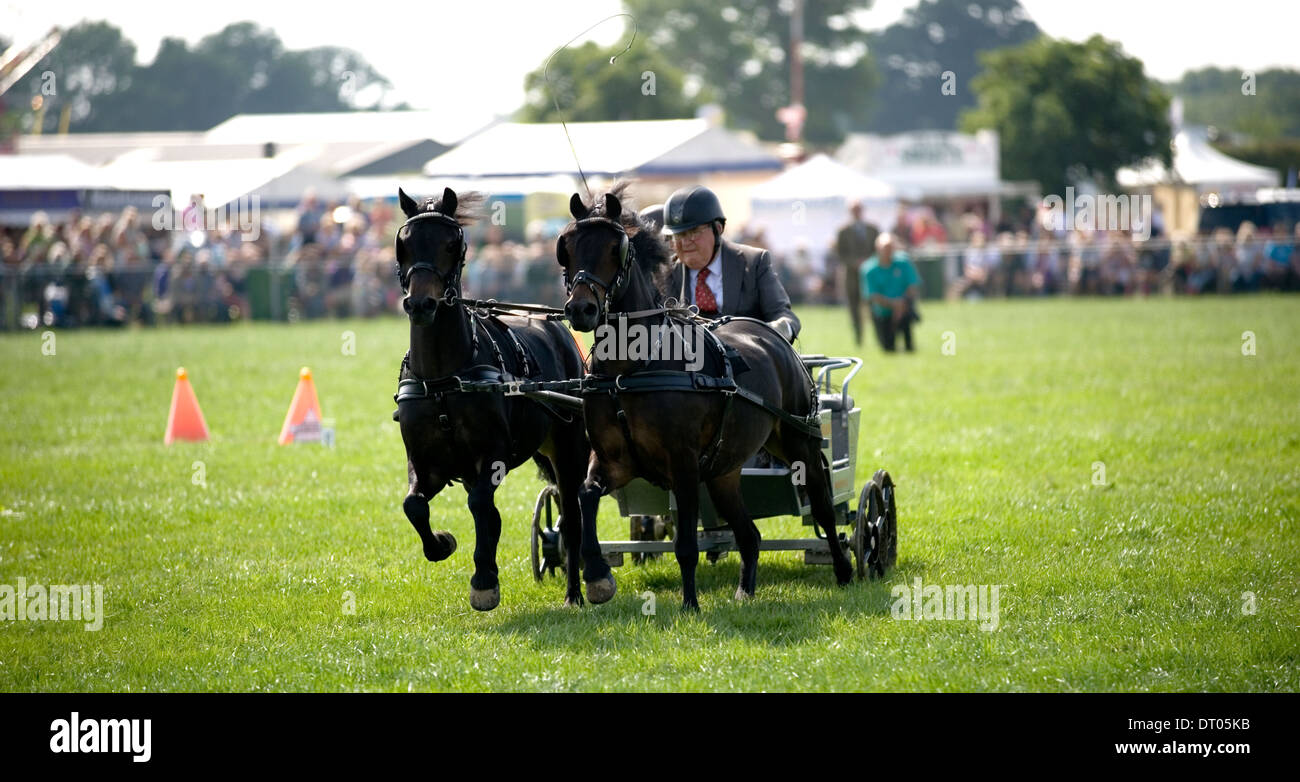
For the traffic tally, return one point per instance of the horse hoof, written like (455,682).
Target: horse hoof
(484,599)
(573,601)
(742,595)
(601,591)
(444,545)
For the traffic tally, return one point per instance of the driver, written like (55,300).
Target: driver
(718,276)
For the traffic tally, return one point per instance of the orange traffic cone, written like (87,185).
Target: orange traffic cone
(303,423)
(185,420)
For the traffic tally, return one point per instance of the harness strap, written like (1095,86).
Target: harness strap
(668,380)
(711,453)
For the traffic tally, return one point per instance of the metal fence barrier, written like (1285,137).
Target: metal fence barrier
(175,293)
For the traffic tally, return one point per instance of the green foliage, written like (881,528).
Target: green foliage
(92,63)
(1218,97)
(1067,111)
(240,69)
(739,51)
(1282,154)
(933,37)
(641,84)
(239,584)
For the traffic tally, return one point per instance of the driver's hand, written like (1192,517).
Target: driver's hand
(783,328)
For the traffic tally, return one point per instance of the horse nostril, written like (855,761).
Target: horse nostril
(428,304)
(406,305)
(589,309)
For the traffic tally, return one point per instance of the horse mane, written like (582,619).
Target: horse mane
(468,206)
(652,254)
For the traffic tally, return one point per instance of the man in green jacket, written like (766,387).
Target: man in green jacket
(891,285)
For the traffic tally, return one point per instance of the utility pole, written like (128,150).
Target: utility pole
(796,57)
(793,116)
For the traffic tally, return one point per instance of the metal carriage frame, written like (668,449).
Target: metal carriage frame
(770,489)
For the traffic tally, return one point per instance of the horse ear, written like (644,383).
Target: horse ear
(613,209)
(409,207)
(561,253)
(449,202)
(578,209)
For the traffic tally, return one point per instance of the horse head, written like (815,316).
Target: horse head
(431,252)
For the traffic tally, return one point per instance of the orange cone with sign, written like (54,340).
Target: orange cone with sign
(303,423)
(185,419)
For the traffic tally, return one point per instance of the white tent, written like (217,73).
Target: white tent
(673,146)
(58,184)
(49,172)
(416,186)
(1200,165)
(806,205)
(276,181)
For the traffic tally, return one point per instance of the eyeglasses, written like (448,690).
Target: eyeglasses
(690,236)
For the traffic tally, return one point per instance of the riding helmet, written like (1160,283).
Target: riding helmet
(652,217)
(689,207)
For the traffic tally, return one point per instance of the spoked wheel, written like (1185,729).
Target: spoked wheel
(863,540)
(875,531)
(887,535)
(548,547)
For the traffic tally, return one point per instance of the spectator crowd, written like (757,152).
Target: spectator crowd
(336,259)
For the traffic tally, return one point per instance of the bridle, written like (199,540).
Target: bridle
(450,280)
(610,290)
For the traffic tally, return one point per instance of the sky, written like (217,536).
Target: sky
(480,50)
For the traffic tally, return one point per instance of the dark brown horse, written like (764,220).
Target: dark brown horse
(476,437)
(677,439)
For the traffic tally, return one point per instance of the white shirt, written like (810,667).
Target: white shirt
(713,281)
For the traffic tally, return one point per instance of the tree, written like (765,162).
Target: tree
(91,62)
(934,38)
(1264,105)
(241,69)
(641,84)
(1068,111)
(738,49)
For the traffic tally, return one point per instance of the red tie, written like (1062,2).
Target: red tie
(703,296)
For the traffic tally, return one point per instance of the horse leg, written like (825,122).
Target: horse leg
(423,486)
(686,487)
(601,585)
(484,588)
(802,448)
(724,490)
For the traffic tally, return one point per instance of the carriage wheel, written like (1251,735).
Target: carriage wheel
(888,534)
(547,553)
(863,540)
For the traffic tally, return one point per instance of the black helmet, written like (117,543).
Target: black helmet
(652,217)
(689,207)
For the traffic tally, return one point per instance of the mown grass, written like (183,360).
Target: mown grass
(239,584)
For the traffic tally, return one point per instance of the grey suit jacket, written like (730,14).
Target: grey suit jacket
(750,286)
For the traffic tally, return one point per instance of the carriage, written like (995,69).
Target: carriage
(770,489)
(499,351)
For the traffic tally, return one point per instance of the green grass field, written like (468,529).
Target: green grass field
(239,583)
